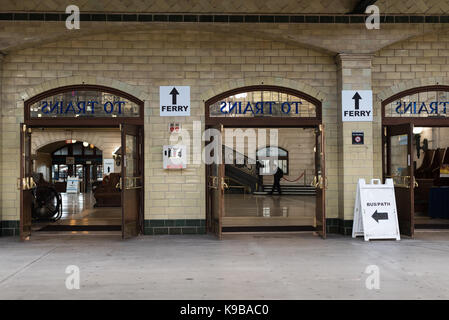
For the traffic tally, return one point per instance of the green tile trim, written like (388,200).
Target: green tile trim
(174,226)
(9,228)
(335,225)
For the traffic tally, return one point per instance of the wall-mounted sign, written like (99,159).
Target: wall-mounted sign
(72,185)
(357,105)
(375,212)
(174,101)
(84,104)
(358,138)
(174,157)
(108,166)
(69,160)
(263,103)
(260,107)
(436,108)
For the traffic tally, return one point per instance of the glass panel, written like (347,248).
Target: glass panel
(84,104)
(88,151)
(131,164)
(62,152)
(63,172)
(79,171)
(421,105)
(399,153)
(77,149)
(264,197)
(100,172)
(262,104)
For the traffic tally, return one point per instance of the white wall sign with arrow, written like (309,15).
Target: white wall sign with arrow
(375,212)
(357,105)
(174,101)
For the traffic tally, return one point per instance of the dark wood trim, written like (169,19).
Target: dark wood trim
(82,122)
(98,122)
(261,121)
(418,122)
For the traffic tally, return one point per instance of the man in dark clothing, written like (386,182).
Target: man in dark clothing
(277,180)
(259,165)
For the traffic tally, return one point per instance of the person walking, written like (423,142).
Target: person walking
(277,180)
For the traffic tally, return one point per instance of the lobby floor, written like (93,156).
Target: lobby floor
(274,266)
(78,209)
(269,210)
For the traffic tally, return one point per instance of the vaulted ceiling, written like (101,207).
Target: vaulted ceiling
(229,6)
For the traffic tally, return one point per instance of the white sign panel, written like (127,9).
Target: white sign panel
(174,157)
(72,185)
(357,105)
(174,101)
(375,213)
(108,166)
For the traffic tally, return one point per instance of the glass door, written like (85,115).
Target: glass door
(131,180)
(320,182)
(215,184)
(399,167)
(25,183)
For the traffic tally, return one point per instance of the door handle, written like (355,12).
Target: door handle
(224,185)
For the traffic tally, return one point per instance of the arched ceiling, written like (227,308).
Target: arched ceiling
(331,39)
(230,6)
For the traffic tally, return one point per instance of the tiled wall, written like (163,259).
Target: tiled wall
(142,61)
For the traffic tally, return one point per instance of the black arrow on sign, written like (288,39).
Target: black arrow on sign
(174,93)
(357,99)
(380,216)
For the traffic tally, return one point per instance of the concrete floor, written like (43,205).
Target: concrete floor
(293,266)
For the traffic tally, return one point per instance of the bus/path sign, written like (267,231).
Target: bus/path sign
(375,212)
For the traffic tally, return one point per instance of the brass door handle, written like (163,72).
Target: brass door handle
(224,185)
(213,185)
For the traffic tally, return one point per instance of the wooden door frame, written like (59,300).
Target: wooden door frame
(389,122)
(140,146)
(261,122)
(97,122)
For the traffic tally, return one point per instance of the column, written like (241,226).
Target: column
(355,161)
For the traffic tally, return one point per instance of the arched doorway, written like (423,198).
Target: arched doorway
(242,194)
(416,155)
(87,112)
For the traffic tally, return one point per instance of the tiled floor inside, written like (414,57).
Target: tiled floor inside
(274,210)
(78,209)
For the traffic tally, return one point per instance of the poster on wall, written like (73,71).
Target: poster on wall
(108,166)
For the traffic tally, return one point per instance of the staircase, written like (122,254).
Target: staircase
(299,190)
(242,177)
(245,176)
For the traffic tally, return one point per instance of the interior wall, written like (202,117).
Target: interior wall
(437,138)
(42,163)
(141,61)
(299,142)
(106,141)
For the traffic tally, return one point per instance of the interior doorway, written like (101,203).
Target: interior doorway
(416,156)
(89,175)
(257,183)
(90,199)
(75,186)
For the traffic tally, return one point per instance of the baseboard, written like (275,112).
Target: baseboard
(9,228)
(174,226)
(339,226)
